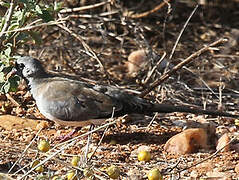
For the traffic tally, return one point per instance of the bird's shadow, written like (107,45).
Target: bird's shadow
(139,138)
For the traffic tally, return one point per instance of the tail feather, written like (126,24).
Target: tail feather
(165,108)
(133,104)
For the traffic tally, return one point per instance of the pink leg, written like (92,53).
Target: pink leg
(68,136)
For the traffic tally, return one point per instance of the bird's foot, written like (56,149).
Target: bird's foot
(68,136)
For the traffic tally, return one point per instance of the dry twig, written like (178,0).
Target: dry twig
(102,137)
(181,32)
(153,69)
(87,48)
(85,7)
(23,153)
(147,13)
(29,27)
(180,65)
(71,143)
(12,100)
(8,18)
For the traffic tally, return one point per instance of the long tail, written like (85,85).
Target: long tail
(134,104)
(165,108)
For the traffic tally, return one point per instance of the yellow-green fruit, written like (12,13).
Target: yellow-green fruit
(237,122)
(154,174)
(71,175)
(88,172)
(44,146)
(56,178)
(75,160)
(144,156)
(113,172)
(39,168)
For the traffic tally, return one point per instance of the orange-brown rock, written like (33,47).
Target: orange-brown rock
(237,168)
(223,141)
(136,61)
(188,141)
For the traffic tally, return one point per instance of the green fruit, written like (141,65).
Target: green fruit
(113,172)
(144,156)
(154,174)
(44,146)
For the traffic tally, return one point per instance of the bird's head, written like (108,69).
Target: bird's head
(29,68)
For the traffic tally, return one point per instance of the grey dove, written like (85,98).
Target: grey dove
(76,103)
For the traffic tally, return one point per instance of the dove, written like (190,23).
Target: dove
(76,103)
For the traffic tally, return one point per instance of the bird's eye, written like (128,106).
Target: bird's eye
(20,66)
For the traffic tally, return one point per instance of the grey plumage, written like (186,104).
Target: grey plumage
(77,103)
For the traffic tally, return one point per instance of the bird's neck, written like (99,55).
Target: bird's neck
(33,81)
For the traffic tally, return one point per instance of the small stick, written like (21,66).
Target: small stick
(8,18)
(88,143)
(71,142)
(180,65)
(102,137)
(12,100)
(153,69)
(84,7)
(220,88)
(20,158)
(87,48)
(26,28)
(99,16)
(147,13)
(205,84)
(151,122)
(181,32)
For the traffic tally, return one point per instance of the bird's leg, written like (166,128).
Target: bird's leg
(68,135)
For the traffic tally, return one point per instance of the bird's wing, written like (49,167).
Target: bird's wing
(74,101)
